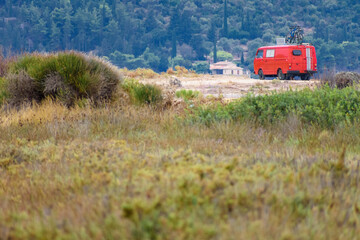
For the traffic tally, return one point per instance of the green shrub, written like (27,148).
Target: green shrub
(201,67)
(3,90)
(142,93)
(222,56)
(187,94)
(325,107)
(66,76)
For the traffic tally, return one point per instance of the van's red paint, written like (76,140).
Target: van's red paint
(286,61)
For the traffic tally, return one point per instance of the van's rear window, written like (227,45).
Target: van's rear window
(297,52)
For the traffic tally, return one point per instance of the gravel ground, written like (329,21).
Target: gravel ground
(231,87)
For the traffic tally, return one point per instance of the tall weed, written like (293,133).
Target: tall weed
(187,94)
(3,90)
(143,93)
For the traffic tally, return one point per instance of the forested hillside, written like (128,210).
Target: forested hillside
(161,33)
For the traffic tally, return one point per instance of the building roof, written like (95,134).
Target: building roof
(224,66)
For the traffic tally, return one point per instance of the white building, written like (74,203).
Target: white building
(226,68)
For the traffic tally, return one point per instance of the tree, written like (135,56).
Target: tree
(67,31)
(151,59)
(223,56)
(201,67)
(174,28)
(150,22)
(197,43)
(225,19)
(55,37)
(212,36)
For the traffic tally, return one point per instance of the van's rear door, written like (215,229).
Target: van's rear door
(298,56)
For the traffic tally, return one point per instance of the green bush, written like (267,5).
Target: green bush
(223,56)
(3,90)
(201,67)
(187,94)
(325,107)
(67,76)
(142,93)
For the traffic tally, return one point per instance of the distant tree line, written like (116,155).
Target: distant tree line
(160,33)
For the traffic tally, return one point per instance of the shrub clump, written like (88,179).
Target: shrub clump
(340,80)
(66,76)
(346,79)
(3,91)
(143,93)
(187,94)
(324,107)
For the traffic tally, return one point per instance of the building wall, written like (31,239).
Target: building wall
(233,72)
(227,72)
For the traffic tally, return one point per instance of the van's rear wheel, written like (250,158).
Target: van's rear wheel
(261,75)
(280,75)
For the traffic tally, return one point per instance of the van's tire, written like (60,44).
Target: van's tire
(261,75)
(280,75)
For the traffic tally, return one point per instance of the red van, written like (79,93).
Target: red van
(286,61)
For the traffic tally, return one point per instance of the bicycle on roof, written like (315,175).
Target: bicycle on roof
(296,35)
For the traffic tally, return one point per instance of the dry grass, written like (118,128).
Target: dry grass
(5,62)
(139,73)
(123,172)
(143,73)
(340,80)
(180,72)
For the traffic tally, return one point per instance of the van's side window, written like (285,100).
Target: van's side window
(270,53)
(260,54)
(297,52)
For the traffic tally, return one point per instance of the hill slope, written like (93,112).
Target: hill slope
(145,33)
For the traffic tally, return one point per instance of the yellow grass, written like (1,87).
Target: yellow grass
(123,172)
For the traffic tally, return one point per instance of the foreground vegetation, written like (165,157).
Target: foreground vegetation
(129,172)
(324,107)
(138,166)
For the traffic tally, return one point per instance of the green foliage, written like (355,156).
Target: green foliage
(123,172)
(223,56)
(187,94)
(73,69)
(201,67)
(148,34)
(67,76)
(142,93)
(325,107)
(3,90)
(180,61)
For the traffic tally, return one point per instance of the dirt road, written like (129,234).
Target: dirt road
(231,87)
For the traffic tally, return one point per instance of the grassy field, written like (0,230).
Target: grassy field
(141,164)
(128,172)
